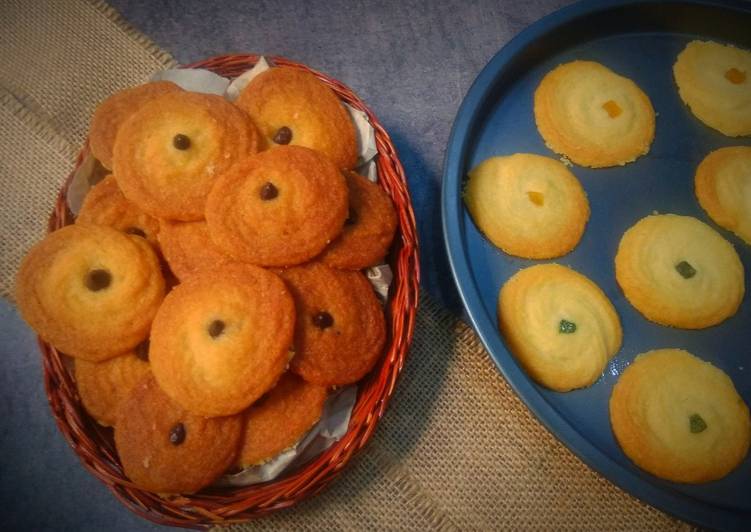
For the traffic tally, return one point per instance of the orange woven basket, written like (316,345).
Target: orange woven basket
(214,506)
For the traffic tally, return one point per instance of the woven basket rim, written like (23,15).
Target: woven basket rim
(221,506)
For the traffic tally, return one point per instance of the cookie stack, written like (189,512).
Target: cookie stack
(210,291)
(673,414)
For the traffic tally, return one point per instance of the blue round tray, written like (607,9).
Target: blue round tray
(640,40)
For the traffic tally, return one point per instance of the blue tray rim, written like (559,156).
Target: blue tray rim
(678,504)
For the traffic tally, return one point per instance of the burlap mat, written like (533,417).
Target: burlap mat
(456,449)
(57,61)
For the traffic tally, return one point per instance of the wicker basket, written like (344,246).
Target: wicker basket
(94,444)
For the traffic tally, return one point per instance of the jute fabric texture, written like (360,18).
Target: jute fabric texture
(456,449)
(57,61)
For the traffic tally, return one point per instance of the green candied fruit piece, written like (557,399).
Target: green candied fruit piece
(697,423)
(566,327)
(685,269)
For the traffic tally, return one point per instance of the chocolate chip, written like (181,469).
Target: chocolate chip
(323,320)
(135,231)
(351,219)
(142,350)
(697,424)
(181,142)
(283,135)
(566,327)
(216,328)
(269,192)
(177,434)
(98,280)
(685,269)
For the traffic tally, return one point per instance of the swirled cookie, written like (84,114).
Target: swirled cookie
(340,330)
(280,418)
(168,154)
(221,338)
(292,107)
(593,116)
(714,80)
(188,248)
(679,418)
(678,271)
(166,449)
(368,229)
(112,112)
(528,205)
(723,188)
(89,290)
(279,207)
(102,386)
(105,205)
(559,325)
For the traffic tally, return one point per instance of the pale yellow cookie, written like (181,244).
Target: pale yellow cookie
(528,205)
(678,271)
(593,116)
(559,325)
(679,418)
(714,80)
(723,188)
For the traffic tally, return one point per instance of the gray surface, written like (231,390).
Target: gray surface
(411,62)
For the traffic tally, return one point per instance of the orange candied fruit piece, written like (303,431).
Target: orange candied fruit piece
(612,108)
(536,197)
(735,76)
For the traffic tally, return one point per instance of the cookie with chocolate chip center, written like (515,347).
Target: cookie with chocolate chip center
(340,331)
(294,108)
(168,154)
(222,338)
(278,208)
(115,110)
(91,291)
(165,449)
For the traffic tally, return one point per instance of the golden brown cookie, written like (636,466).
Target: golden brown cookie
(112,113)
(678,271)
(280,419)
(166,449)
(559,325)
(723,188)
(714,80)
(102,386)
(279,207)
(168,154)
(368,229)
(221,339)
(340,330)
(292,107)
(593,116)
(105,205)
(528,205)
(89,290)
(679,418)
(188,248)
